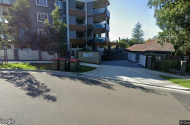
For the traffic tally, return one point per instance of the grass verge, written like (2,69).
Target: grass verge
(181,82)
(85,69)
(39,66)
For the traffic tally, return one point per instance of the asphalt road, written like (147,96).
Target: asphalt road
(47,99)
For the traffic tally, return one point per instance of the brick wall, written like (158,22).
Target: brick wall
(72,34)
(90,8)
(72,4)
(72,20)
(34,25)
(90,20)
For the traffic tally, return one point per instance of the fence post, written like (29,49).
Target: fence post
(40,55)
(149,62)
(117,48)
(16,54)
(183,67)
(109,48)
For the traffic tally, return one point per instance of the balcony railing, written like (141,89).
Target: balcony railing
(80,37)
(101,39)
(101,26)
(102,11)
(107,27)
(7,2)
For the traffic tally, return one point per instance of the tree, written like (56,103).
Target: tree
(125,42)
(18,20)
(173,18)
(54,38)
(4,39)
(122,44)
(138,33)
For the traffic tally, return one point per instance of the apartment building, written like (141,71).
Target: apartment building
(75,13)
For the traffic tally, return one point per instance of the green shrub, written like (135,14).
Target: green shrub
(188,68)
(166,65)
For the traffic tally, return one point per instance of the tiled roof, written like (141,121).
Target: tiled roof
(152,45)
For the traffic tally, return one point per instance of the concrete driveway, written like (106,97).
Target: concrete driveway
(49,98)
(131,72)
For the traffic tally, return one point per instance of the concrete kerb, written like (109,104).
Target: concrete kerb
(82,63)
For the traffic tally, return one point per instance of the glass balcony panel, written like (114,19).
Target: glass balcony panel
(99,25)
(99,11)
(101,39)
(102,11)
(7,1)
(107,27)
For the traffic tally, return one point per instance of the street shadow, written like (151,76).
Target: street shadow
(27,82)
(85,81)
(131,85)
(104,82)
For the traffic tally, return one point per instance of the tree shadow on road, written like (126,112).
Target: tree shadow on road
(85,81)
(27,82)
(104,82)
(130,85)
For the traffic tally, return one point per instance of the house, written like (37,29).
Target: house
(151,47)
(75,13)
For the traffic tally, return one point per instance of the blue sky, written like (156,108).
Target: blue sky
(126,13)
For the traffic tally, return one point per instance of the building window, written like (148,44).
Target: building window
(42,3)
(41,31)
(41,17)
(59,4)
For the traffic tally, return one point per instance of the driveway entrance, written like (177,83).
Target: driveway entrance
(133,73)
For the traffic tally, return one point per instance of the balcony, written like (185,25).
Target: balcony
(101,40)
(6,2)
(101,3)
(77,27)
(101,11)
(101,28)
(78,41)
(77,12)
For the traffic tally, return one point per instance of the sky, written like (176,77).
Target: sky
(126,13)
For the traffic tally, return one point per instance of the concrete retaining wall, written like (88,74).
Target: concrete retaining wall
(10,53)
(46,56)
(28,55)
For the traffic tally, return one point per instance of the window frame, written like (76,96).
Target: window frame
(41,13)
(59,2)
(40,4)
(40,30)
